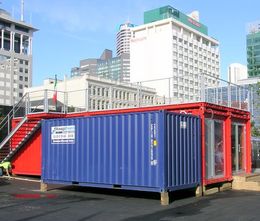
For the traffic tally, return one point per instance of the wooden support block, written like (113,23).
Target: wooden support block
(210,191)
(165,201)
(44,187)
(198,191)
(226,186)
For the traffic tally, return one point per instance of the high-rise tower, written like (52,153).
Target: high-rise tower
(123,39)
(15,58)
(171,44)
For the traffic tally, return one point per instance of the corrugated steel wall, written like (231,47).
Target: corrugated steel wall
(183,150)
(127,150)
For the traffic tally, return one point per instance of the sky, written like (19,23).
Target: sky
(72,30)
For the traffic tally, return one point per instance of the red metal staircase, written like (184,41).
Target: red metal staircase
(18,137)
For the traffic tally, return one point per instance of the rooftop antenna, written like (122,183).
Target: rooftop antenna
(22,10)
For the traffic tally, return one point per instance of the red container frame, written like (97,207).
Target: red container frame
(202,109)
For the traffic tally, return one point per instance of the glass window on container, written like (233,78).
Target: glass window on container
(214,142)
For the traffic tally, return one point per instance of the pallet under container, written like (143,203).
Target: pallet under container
(155,151)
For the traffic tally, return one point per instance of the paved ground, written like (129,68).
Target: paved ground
(21,200)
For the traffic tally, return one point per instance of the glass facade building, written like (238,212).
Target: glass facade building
(108,67)
(116,68)
(253,54)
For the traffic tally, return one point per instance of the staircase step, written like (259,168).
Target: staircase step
(19,138)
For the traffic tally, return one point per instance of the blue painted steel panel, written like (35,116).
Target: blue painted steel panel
(183,151)
(153,151)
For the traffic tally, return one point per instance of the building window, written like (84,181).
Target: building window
(20,94)
(21,70)
(20,86)
(26,70)
(21,78)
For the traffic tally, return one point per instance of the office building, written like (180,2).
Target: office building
(88,92)
(236,72)
(173,45)
(123,39)
(15,58)
(253,50)
(107,66)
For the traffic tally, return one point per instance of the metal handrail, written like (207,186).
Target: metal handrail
(11,114)
(7,138)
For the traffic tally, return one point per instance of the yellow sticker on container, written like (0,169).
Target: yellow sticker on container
(155,142)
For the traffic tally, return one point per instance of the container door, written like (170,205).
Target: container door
(238,147)
(214,140)
(241,147)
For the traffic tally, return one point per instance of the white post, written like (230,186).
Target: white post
(169,90)
(46,108)
(8,123)
(202,87)
(110,97)
(2,40)
(26,104)
(239,97)
(87,97)
(22,10)
(138,94)
(21,44)
(13,40)
(30,45)
(229,94)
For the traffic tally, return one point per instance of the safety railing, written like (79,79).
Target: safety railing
(174,90)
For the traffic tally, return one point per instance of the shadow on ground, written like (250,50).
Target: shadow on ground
(4,181)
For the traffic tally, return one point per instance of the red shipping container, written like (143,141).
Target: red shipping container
(226,145)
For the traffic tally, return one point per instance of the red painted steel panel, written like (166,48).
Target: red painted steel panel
(27,161)
(228,155)
(248,149)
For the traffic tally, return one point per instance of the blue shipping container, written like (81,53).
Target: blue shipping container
(150,151)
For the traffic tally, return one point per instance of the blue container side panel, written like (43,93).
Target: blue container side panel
(183,149)
(111,150)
